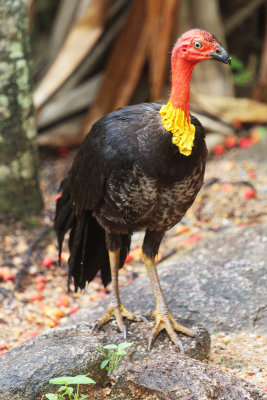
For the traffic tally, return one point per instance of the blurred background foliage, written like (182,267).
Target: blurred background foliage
(93,56)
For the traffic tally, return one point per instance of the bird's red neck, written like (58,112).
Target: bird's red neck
(175,114)
(180,91)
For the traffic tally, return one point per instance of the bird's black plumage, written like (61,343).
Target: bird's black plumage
(127,176)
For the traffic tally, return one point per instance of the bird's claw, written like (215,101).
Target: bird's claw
(94,326)
(118,312)
(178,343)
(166,321)
(199,339)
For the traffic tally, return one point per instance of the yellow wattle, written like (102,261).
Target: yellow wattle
(183,132)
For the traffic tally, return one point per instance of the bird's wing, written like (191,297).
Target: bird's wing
(87,175)
(111,144)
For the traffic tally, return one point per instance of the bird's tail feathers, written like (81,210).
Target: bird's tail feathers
(87,242)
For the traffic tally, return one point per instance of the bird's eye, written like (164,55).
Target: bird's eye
(197,45)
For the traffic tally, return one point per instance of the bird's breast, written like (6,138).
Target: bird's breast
(134,201)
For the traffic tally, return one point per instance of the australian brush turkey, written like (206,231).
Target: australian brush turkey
(139,168)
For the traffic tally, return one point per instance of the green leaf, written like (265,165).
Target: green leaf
(72,380)
(51,396)
(104,363)
(124,345)
(62,388)
(61,397)
(236,64)
(110,347)
(121,353)
(70,389)
(84,396)
(101,351)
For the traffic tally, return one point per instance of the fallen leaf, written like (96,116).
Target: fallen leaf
(73,309)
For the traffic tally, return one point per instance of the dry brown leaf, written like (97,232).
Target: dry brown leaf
(231,110)
(79,42)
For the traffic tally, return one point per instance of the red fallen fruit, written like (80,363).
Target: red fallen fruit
(237,124)
(40,279)
(250,193)
(30,335)
(191,240)
(73,309)
(218,149)
(227,187)
(264,389)
(63,151)
(40,286)
(48,262)
(36,296)
(128,258)
(6,275)
(245,142)
(252,174)
(230,141)
(9,277)
(63,300)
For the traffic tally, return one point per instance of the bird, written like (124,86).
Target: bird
(139,169)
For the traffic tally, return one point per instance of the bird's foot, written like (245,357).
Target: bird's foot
(166,321)
(119,312)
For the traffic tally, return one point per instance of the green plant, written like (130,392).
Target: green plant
(242,75)
(114,356)
(65,390)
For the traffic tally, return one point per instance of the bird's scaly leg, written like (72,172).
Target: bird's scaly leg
(164,319)
(116,307)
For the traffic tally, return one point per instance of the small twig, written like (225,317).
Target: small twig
(4,292)
(171,253)
(241,15)
(26,258)
(212,181)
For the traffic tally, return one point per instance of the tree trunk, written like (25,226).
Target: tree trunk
(19,186)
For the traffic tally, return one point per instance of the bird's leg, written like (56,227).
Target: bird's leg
(116,307)
(164,319)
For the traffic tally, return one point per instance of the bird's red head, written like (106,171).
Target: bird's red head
(197,45)
(193,46)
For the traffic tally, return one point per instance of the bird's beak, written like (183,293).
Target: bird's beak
(221,55)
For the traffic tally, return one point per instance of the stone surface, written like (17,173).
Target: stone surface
(162,373)
(221,284)
(181,378)
(25,370)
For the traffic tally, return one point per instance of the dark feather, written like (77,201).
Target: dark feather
(127,176)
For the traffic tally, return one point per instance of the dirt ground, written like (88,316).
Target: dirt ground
(235,193)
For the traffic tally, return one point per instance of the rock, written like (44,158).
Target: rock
(221,283)
(161,373)
(181,378)
(25,370)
